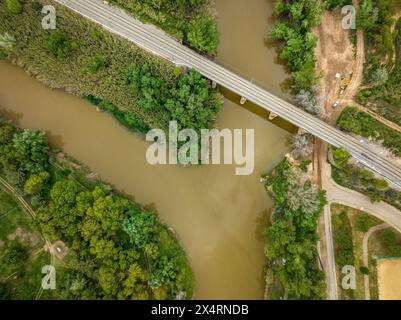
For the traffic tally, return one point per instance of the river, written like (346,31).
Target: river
(218,217)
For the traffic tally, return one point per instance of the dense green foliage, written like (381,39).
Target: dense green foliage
(187,20)
(184,99)
(340,157)
(291,240)
(363,124)
(382,70)
(117,249)
(90,62)
(297,19)
(13,257)
(22,153)
(385,99)
(364,181)
(344,246)
(14,6)
(375,18)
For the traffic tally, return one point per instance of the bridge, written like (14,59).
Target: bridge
(157,42)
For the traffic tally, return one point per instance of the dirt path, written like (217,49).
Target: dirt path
(365,247)
(335,54)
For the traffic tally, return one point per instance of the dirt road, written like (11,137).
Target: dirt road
(335,54)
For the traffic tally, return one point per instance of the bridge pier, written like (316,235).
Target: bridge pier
(301,131)
(214,84)
(243,100)
(272,115)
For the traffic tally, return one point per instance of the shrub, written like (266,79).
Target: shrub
(364,222)
(340,156)
(96,63)
(14,6)
(364,270)
(59,45)
(388,238)
(36,182)
(203,35)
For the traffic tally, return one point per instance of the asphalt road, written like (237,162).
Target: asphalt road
(154,40)
(338,194)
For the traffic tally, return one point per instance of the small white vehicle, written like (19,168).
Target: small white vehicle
(335,104)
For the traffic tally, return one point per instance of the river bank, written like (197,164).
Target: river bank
(218,217)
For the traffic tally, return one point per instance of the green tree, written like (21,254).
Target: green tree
(108,210)
(14,6)
(36,182)
(61,217)
(340,156)
(13,257)
(7,41)
(367,15)
(32,150)
(139,225)
(134,286)
(163,272)
(108,281)
(7,131)
(203,35)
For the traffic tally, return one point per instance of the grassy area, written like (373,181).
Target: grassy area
(354,223)
(140,90)
(19,279)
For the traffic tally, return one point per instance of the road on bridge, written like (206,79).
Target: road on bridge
(156,41)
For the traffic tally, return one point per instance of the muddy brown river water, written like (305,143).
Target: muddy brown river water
(218,217)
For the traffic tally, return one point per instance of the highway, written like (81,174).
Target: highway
(159,43)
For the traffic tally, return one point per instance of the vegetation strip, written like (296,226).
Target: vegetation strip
(116,248)
(140,90)
(292,269)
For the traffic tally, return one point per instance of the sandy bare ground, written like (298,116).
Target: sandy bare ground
(389,279)
(336,54)
(366,255)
